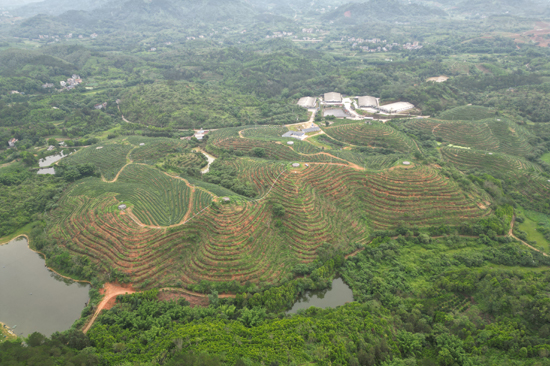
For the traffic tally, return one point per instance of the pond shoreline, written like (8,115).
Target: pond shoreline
(29,281)
(45,258)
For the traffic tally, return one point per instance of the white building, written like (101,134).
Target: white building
(367,102)
(333,98)
(395,107)
(307,102)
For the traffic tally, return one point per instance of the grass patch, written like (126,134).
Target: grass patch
(530,225)
(5,335)
(546,158)
(22,231)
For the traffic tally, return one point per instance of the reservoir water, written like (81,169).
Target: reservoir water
(33,298)
(47,161)
(339,294)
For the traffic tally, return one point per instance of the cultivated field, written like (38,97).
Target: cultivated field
(174,232)
(109,158)
(487,135)
(375,135)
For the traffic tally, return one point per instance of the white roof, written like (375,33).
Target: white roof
(396,107)
(367,101)
(295,165)
(307,102)
(406,163)
(333,97)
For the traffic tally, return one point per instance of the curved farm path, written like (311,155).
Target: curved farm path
(511,234)
(111,291)
(130,161)
(116,176)
(124,119)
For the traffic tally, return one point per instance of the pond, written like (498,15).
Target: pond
(339,294)
(33,298)
(47,161)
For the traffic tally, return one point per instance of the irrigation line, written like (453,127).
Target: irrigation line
(198,213)
(268,192)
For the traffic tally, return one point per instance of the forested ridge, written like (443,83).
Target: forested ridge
(176,182)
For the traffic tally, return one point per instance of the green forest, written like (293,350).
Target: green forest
(146,149)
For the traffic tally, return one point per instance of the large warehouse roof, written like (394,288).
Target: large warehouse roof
(367,101)
(396,107)
(333,97)
(307,102)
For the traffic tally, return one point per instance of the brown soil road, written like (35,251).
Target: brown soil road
(110,292)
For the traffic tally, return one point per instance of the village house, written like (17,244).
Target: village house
(199,135)
(93,35)
(311,129)
(295,134)
(11,143)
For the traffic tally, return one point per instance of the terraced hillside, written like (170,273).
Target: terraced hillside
(153,197)
(486,135)
(484,161)
(467,113)
(95,228)
(420,196)
(377,135)
(324,203)
(273,150)
(524,181)
(264,133)
(155,148)
(109,158)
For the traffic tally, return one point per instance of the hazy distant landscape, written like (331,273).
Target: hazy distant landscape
(254,182)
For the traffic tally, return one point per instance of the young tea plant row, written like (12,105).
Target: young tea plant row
(274,151)
(490,162)
(95,228)
(467,113)
(260,173)
(376,135)
(486,135)
(155,149)
(158,199)
(109,158)
(264,132)
(418,196)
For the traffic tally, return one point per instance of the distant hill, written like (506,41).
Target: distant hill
(57,7)
(381,10)
(183,10)
(129,14)
(534,8)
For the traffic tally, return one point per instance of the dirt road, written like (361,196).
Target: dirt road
(110,292)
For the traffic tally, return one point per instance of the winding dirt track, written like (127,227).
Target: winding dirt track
(111,291)
(511,234)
